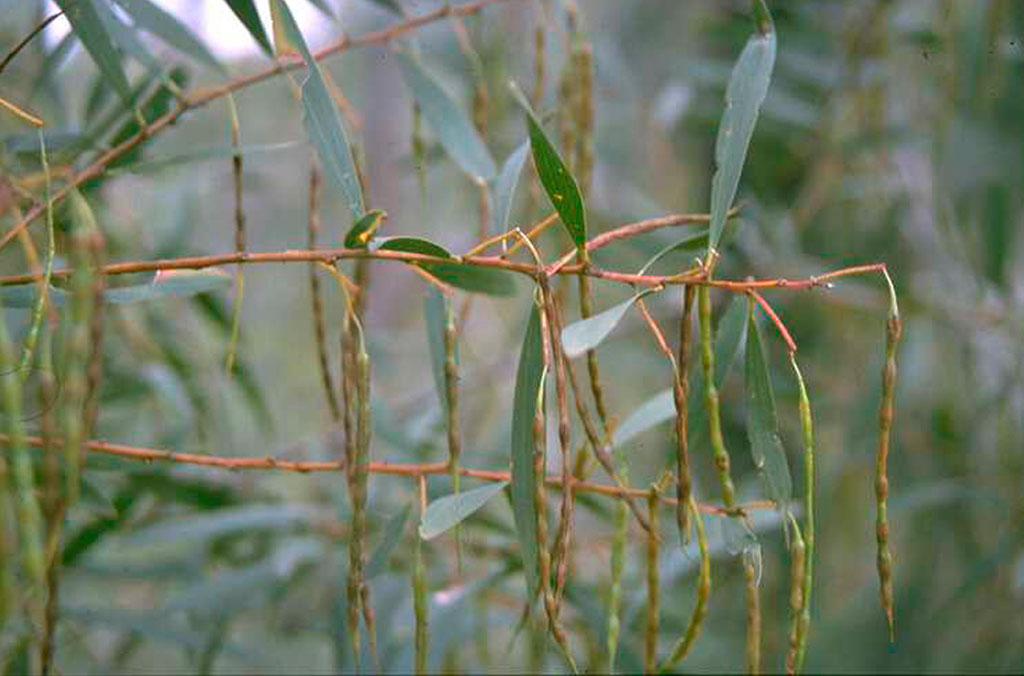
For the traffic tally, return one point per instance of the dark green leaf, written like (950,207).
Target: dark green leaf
(152,19)
(88,25)
(762,422)
(449,121)
(410,245)
(323,122)
(490,281)
(505,187)
(246,12)
(451,510)
(529,379)
(363,230)
(747,87)
(558,183)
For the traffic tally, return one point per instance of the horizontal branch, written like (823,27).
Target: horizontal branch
(268,463)
(205,96)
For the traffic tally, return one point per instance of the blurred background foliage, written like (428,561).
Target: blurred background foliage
(892,132)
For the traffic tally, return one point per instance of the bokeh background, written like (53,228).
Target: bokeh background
(893,132)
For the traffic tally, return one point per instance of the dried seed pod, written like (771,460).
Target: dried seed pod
(798,556)
(894,330)
(653,585)
(681,395)
(751,574)
(711,399)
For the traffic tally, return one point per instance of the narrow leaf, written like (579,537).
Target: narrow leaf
(153,19)
(763,425)
(451,510)
(449,121)
(747,88)
(89,27)
(505,187)
(323,122)
(524,408)
(392,535)
(489,281)
(558,183)
(246,12)
(586,334)
(410,245)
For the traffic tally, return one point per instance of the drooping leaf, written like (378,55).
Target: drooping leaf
(748,85)
(587,334)
(153,19)
(87,24)
(363,230)
(661,407)
(246,12)
(505,187)
(490,281)
(449,121)
(558,183)
(451,510)
(323,122)
(390,538)
(166,284)
(410,245)
(435,310)
(762,423)
(529,379)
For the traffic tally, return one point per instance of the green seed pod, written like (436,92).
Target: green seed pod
(751,573)
(894,330)
(421,608)
(798,556)
(681,394)
(804,546)
(711,399)
(618,566)
(685,643)
(452,410)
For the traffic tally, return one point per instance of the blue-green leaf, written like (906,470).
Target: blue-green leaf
(762,422)
(449,121)
(505,187)
(246,12)
(451,510)
(87,24)
(747,88)
(587,334)
(323,122)
(529,379)
(558,183)
(152,19)
(166,284)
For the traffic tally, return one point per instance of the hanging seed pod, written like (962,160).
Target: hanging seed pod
(711,399)
(685,643)
(364,430)
(798,562)
(419,591)
(593,368)
(681,396)
(452,410)
(618,567)
(316,294)
(583,56)
(53,504)
(40,307)
(653,585)
(751,574)
(805,550)
(894,331)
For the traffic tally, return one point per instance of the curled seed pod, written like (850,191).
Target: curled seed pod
(894,330)
(316,294)
(711,399)
(419,592)
(685,643)
(807,540)
(751,574)
(681,395)
(653,585)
